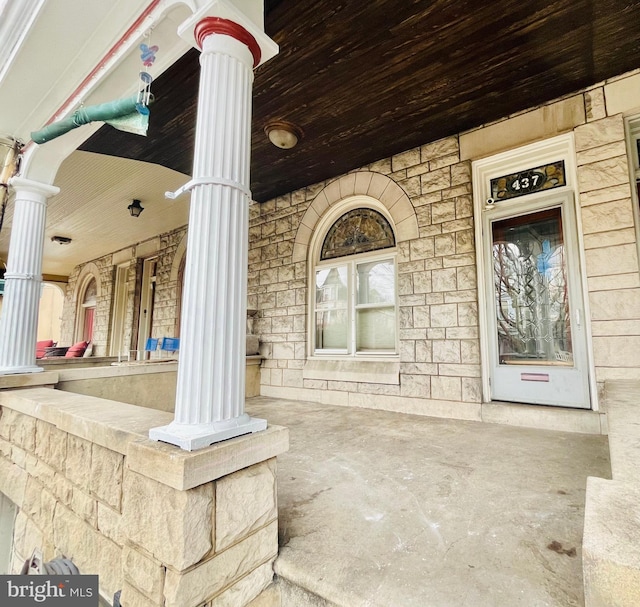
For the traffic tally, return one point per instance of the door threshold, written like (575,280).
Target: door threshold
(544,417)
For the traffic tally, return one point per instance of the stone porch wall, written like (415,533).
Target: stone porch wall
(169,528)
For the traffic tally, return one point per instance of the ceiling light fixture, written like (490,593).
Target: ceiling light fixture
(61,239)
(283,134)
(135,208)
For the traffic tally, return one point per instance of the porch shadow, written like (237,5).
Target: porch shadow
(382,509)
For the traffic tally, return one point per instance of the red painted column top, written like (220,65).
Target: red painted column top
(217,25)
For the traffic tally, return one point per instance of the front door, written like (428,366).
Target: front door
(536,327)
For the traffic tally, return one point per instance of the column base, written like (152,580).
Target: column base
(197,436)
(18,370)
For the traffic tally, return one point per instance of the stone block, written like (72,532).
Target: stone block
(468,314)
(27,537)
(616,192)
(78,461)
(51,445)
(438,149)
(610,551)
(415,385)
(594,103)
(622,351)
(437,180)
(39,504)
(422,283)
(250,587)
(202,583)
(422,248)
(109,523)
(446,351)
(471,389)
(144,573)
(621,304)
(23,429)
(106,475)
(603,174)
(13,481)
(245,502)
(541,123)
(131,597)
(406,159)
(445,244)
(444,161)
(621,259)
(85,506)
(445,315)
(599,133)
(610,150)
(443,211)
(444,280)
(446,388)
(609,239)
(464,207)
(173,526)
(608,216)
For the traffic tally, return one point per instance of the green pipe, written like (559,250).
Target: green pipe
(85,115)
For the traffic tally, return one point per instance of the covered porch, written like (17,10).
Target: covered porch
(379,508)
(375,508)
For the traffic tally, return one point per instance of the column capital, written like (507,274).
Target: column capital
(217,25)
(225,17)
(37,187)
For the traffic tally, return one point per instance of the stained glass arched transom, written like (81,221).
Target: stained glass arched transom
(357,231)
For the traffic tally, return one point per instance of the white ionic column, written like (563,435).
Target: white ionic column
(23,277)
(211,370)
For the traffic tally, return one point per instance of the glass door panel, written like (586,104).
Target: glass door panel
(531,293)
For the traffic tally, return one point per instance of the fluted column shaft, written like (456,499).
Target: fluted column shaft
(211,372)
(23,278)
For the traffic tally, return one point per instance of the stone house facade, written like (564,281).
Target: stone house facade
(432,197)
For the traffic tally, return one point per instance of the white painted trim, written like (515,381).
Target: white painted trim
(322,226)
(632,136)
(561,147)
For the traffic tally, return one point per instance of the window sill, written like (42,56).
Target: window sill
(366,371)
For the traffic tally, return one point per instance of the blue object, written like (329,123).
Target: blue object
(151,344)
(170,344)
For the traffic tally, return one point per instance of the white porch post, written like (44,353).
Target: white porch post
(23,278)
(211,372)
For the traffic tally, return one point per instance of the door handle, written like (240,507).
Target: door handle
(578,317)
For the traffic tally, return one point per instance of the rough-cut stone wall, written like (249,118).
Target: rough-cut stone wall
(166,308)
(103,271)
(439,347)
(611,251)
(211,545)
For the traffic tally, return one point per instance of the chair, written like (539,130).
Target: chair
(151,345)
(169,344)
(77,350)
(41,347)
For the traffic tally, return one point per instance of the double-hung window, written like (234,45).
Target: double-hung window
(355,287)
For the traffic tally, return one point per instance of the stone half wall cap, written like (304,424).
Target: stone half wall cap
(224,10)
(184,470)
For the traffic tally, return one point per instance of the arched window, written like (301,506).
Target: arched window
(88,311)
(354,283)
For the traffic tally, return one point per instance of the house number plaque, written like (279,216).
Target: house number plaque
(528,181)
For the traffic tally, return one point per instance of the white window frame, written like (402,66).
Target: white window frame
(352,262)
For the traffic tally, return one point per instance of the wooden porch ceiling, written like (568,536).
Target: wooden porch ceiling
(365,80)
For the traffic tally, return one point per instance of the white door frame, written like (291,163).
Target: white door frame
(529,156)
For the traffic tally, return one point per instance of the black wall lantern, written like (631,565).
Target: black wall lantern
(135,208)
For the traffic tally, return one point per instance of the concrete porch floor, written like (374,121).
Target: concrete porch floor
(381,509)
